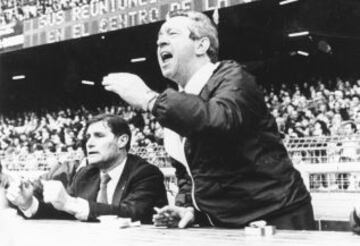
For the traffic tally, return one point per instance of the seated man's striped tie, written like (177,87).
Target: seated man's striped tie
(102,195)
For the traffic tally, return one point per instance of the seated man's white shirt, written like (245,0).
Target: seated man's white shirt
(79,207)
(32,209)
(115,175)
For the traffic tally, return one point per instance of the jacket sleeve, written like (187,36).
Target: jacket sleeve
(47,211)
(146,190)
(234,103)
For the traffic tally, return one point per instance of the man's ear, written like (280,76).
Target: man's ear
(122,141)
(202,46)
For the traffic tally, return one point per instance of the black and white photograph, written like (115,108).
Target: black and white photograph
(179,122)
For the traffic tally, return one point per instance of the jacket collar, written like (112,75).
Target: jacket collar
(214,82)
(200,78)
(121,186)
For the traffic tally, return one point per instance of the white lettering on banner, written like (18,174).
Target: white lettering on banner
(154,15)
(104,6)
(143,17)
(112,5)
(91,10)
(123,21)
(124,4)
(11,41)
(5,31)
(52,19)
(85,13)
(184,5)
(55,35)
(113,23)
(102,25)
(79,30)
(132,3)
(132,18)
(94,9)
(142,2)
(187,5)
(121,4)
(75,13)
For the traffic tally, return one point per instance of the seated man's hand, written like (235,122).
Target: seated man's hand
(5,180)
(20,193)
(55,193)
(174,216)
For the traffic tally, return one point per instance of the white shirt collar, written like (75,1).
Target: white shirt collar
(200,78)
(115,175)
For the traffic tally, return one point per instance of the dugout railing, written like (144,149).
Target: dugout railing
(327,164)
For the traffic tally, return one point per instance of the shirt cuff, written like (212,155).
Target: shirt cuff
(31,211)
(151,101)
(78,207)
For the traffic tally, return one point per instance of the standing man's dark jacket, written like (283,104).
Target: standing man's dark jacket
(140,188)
(240,167)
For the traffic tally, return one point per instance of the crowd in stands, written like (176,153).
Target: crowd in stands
(31,137)
(35,140)
(317,108)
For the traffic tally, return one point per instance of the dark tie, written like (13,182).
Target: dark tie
(102,195)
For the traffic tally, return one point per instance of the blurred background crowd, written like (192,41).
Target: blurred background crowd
(316,108)
(32,137)
(310,109)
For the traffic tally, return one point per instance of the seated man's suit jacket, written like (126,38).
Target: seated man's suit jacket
(140,188)
(354,222)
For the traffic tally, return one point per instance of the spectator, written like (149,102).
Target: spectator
(350,144)
(320,129)
(132,187)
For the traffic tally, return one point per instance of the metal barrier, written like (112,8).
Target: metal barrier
(323,150)
(327,164)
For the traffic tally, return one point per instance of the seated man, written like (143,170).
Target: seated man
(355,220)
(114,182)
(4,178)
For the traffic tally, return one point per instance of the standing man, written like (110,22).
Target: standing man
(233,168)
(114,182)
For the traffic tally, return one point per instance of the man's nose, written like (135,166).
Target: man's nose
(89,143)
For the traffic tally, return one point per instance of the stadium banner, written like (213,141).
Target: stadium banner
(108,15)
(11,36)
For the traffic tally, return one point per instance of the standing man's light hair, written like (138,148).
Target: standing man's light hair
(201,26)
